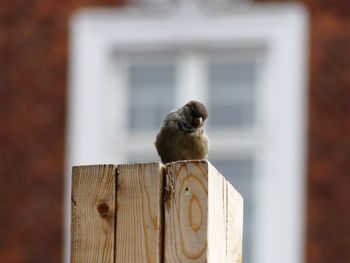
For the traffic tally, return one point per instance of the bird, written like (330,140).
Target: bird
(181,135)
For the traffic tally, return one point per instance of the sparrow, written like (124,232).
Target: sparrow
(181,135)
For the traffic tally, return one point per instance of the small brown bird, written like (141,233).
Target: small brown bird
(181,136)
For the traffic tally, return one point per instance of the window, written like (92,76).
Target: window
(130,68)
(232,94)
(151,87)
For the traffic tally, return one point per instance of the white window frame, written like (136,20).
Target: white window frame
(93,101)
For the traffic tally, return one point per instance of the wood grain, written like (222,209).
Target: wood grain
(234,224)
(203,215)
(186,212)
(225,216)
(139,213)
(130,214)
(93,213)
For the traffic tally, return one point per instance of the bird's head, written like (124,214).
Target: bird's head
(194,114)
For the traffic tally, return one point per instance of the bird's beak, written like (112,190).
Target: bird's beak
(198,122)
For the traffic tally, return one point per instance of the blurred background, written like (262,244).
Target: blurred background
(277,89)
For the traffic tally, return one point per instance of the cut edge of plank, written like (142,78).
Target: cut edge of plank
(81,166)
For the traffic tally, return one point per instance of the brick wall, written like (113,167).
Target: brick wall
(33,70)
(328,224)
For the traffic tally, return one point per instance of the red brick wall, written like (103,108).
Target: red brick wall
(328,225)
(33,70)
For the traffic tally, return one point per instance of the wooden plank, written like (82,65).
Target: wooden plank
(93,213)
(234,226)
(203,215)
(139,213)
(217,236)
(186,212)
(225,215)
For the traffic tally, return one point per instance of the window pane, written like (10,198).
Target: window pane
(240,174)
(151,94)
(232,92)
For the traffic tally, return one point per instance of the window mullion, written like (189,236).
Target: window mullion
(191,77)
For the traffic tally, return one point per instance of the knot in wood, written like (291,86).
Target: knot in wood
(103,209)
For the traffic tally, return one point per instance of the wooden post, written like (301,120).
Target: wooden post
(182,212)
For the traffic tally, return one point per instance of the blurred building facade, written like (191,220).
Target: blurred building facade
(33,99)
